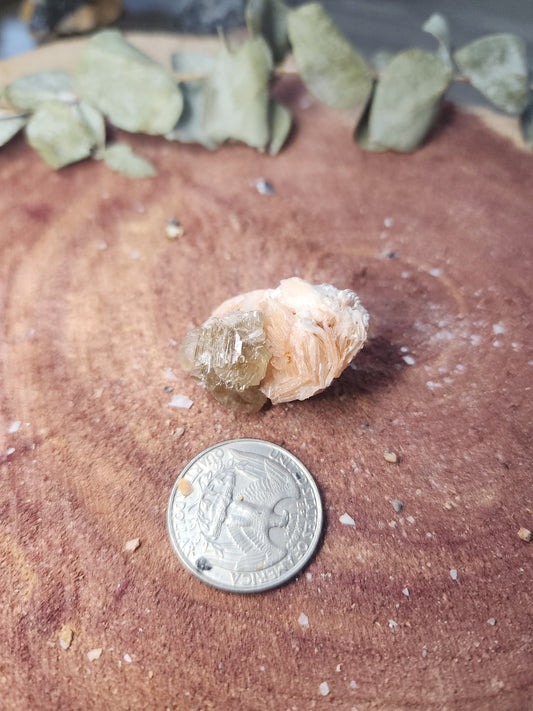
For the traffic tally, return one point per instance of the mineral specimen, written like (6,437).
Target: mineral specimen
(283,344)
(229,356)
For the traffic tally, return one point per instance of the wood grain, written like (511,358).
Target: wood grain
(93,300)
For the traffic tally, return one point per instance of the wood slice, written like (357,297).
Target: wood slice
(424,607)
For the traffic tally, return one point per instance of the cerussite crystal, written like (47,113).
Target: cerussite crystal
(229,356)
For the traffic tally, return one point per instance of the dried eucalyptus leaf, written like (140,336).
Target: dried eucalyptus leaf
(268,19)
(193,63)
(406,101)
(29,92)
(190,127)
(381,59)
(57,132)
(10,126)
(120,158)
(280,126)
(526,124)
(94,121)
(133,90)
(497,66)
(437,25)
(330,67)
(236,95)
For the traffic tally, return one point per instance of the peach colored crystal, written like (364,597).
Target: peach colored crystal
(313,333)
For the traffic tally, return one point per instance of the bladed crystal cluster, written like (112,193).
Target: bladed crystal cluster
(280,344)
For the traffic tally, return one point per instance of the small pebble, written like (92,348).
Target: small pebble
(453,574)
(397,505)
(491,621)
(303,620)
(390,456)
(184,487)
(127,658)
(347,520)
(132,545)
(181,401)
(324,688)
(263,187)
(94,654)
(174,229)
(406,592)
(525,534)
(14,427)
(65,636)
(179,432)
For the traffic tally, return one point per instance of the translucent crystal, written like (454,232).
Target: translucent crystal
(229,355)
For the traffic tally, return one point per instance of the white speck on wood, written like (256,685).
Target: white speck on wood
(303,620)
(498,328)
(14,427)
(324,688)
(132,545)
(127,658)
(409,359)
(453,574)
(346,520)
(491,621)
(181,401)
(406,592)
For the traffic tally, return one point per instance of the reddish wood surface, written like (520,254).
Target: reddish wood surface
(93,299)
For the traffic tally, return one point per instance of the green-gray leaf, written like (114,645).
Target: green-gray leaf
(497,66)
(437,25)
(236,98)
(192,63)
(27,93)
(280,126)
(133,90)
(58,134)
(381,59)
(94,121)
(268,19)
(120,158)
(526,124)
(190,127)
(405,102)
(10,126)
(330,67)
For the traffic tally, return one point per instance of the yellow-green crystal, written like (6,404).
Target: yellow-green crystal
(229,356)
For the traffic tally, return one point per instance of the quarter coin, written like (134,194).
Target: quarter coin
(244,515)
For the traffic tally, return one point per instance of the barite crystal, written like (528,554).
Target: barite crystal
(229,356)
(283,344)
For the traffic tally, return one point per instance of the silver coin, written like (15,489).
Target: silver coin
(244,515)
